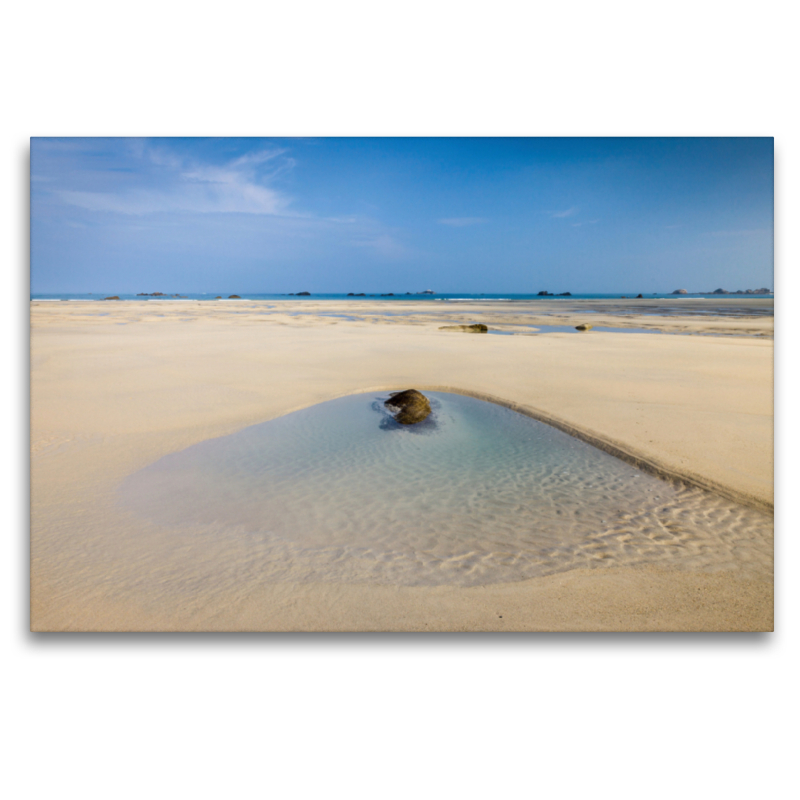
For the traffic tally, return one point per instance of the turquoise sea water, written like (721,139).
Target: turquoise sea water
(476,494)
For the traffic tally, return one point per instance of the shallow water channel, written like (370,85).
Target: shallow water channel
(475,494)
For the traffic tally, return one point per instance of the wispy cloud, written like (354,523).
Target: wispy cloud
(561,214)
(586,222)
(462,222)
(238,187)
(201,191)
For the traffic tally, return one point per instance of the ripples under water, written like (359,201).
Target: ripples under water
(476,494)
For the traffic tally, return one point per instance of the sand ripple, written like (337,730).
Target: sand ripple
(479,494)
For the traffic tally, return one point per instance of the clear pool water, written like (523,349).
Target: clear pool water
(476,494)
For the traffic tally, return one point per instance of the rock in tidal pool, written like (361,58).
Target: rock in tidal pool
(584,326)
(476,328)
(409,406)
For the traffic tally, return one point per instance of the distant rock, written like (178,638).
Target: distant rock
(409,406)
(640,296)
(304,294)
(114,297)
(680,291)
(350,294)
(218,298)
(564,294)
(234,297)
(543,294)
(720,291)
(152,294)
(624,297)
(476,328)
(584,326)
(427,291)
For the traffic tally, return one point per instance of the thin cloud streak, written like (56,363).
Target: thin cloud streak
(587,222)
(561,214)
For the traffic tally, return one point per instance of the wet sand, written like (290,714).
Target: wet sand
(117,385)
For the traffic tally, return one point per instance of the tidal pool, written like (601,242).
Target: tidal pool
(475,494)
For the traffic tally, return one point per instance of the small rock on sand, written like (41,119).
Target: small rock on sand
(476,328)
(584,326)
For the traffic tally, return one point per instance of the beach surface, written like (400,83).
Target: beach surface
(117,385)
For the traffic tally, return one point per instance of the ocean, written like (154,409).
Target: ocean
(416,297)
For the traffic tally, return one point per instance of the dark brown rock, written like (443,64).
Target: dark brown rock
(409,406)
(584,326)
(234,297)
(476,328)
(115,297)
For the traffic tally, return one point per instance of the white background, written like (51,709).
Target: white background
(639,716)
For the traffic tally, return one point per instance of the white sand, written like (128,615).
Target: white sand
(111,394)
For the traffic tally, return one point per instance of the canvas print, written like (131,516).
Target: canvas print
(401,384)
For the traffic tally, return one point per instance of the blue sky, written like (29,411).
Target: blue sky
(396,215)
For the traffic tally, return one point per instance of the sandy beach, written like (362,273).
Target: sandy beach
(117,385)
